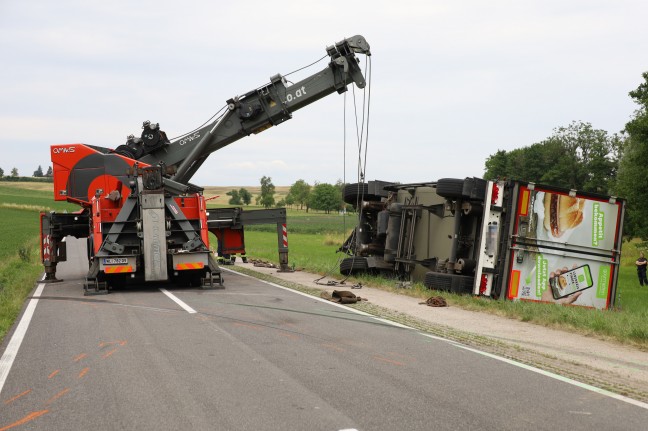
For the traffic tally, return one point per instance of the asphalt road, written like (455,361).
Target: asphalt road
(254,356)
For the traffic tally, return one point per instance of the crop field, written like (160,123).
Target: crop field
(314,239)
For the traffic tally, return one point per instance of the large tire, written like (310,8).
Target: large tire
(126,151)
(354,265)
(455,188)
(355,192)
(450,188)
(449,282)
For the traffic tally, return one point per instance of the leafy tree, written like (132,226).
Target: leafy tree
(281,203)
(235,198)
(245,195)
(325,197)
(266,198)
(632,181)
(1,172)
(577,156)
(300,192)
(14,172)
(38,172)
(497,165)
(49,172)
(290,200)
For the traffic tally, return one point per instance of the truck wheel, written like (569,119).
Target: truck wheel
(126,151)
(353,192)
(353,265)
(449,282)
(469,188)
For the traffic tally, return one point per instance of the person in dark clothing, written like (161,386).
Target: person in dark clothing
(641,269)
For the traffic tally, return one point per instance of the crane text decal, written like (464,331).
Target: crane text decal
(60,150)
(299,93)
(190,138)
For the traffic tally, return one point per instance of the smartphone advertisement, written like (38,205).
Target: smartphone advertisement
(561,279)
(571,281)
(565,249)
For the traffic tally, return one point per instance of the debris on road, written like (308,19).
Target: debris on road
(435,301)
(342,297)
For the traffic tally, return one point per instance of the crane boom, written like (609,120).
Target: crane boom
(259,109)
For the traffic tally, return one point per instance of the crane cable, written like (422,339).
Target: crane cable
(362,134)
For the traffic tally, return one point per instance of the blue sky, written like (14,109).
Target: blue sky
(451,82)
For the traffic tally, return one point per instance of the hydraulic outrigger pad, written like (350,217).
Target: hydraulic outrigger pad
(95,287)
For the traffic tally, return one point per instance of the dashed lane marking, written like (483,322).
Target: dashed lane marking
(178,301)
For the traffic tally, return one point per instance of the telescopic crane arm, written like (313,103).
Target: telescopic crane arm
(260,109)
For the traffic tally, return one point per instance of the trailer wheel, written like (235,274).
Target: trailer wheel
(354,265)
(355,191)
(449,282)
(454,188)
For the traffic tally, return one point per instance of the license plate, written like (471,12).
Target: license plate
(115,261)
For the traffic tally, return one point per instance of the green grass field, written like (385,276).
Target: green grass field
(20,267)
(313,241)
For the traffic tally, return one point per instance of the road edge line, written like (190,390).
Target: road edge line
(9,355)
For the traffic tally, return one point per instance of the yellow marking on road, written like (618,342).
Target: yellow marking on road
(57,396)
(79,357)
(30,417)
(389,361)
(109,353)
(10,400)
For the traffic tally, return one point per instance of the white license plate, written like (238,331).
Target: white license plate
(115,261)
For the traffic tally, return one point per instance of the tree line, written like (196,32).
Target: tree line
(38,173)
(580,157)
(301,195)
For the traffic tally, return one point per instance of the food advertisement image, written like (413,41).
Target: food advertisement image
(564,254)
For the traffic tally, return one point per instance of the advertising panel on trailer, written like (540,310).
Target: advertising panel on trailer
(542,243)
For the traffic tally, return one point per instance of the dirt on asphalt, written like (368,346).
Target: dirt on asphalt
(608,365)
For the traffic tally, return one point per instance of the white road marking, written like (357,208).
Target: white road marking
(17,338)
(177,300)
(490,355)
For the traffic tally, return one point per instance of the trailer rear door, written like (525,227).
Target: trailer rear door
(564,247)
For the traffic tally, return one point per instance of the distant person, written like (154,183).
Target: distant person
(641,269)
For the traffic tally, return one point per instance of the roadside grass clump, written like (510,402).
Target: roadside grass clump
(639,335)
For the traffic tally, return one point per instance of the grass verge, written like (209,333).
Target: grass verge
(18,272)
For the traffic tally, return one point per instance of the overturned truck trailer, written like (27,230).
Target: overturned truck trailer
(502,239)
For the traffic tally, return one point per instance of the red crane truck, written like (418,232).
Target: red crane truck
(142,218)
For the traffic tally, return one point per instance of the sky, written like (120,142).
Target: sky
(451,82)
